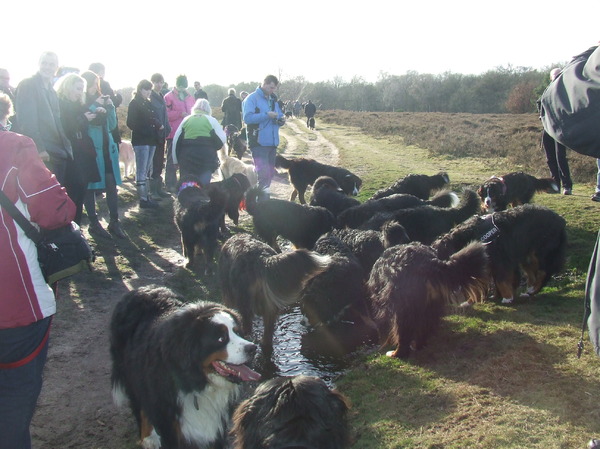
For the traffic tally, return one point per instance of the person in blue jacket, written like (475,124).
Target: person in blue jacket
(263,118)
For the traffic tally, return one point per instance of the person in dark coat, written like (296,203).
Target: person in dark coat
(75,119)
(145,127)
(309,110)
(158,161)
(38,116)
(199,92)
(232,110)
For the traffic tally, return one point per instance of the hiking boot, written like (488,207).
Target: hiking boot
(157,190)
(161,193)
(114,227)
(96,230)
(596,197)
(148,204)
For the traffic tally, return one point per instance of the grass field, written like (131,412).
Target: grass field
(495,376)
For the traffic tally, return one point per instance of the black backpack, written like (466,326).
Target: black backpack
(570,105)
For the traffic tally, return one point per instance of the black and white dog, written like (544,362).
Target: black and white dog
(178,365)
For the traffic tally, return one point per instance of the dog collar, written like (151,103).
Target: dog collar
(185,185)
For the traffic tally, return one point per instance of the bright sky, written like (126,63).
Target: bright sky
(241,41)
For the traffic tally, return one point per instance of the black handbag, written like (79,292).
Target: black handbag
(62,252)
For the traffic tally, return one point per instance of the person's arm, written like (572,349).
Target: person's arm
(132,115)
(218,128)
(28,113)
(47,201)
(172,113)
(176,139)
(250,115)
(111,116)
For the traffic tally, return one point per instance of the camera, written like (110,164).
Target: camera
(280,121)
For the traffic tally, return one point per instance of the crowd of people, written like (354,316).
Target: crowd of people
(64,157)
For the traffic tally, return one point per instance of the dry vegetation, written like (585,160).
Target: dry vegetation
(515,137)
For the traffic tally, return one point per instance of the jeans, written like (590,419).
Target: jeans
(20,387)
(144,155)
(264,163)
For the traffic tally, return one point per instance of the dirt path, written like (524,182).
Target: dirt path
(75,408)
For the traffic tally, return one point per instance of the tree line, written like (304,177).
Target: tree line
(502,90)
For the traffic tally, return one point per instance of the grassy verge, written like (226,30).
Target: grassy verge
(494,376)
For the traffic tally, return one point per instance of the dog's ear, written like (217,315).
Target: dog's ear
(480,190)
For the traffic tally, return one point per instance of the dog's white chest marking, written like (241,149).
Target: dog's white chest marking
(205,414)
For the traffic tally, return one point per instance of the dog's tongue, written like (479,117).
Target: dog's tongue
(241,372)
(243,204)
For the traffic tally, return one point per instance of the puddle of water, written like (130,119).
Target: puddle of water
(325,352)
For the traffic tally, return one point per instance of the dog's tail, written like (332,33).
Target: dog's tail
(469,206)
(285,275)
(444,198)
(281,162)
(554,261)
(545,185)
(467,274)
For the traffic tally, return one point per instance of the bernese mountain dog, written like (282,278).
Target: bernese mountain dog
(530,238)
(179,366)
(199,212)
(235,187)
(338,293)
(368,245)
(301,224)
(236,140)
(420,186)
(355,216)
(327,193)
(304,172)
(426,223)
(410,288)
(292,412)
(256,280)
(512,189)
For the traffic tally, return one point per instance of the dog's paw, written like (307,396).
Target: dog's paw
(152,441)
(465,305)
(507,300)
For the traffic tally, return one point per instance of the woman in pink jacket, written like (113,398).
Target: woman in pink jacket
(179,105)
(27,303)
